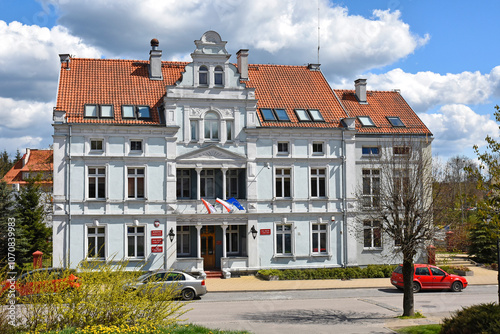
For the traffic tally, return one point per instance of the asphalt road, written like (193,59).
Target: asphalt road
(327,311)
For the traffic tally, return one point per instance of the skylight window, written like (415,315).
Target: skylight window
(267,114)
(98,111)
(303,115)
(140,112)
(395,121)
(316,115)
(281,114)
(366,121)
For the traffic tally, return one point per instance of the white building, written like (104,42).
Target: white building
(139,144)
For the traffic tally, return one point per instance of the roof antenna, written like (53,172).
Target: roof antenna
(318,32)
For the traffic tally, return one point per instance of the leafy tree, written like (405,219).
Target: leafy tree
(30,212)
(397,197)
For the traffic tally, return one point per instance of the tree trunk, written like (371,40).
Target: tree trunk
(408,303)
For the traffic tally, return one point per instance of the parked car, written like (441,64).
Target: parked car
(186,285)
(46,280)
(427,277)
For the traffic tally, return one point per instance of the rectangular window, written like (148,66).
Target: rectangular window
(97,182)
(98,111)
(281,115)
(207,183)
(401,182)
(232,239)
(136,112)
(96,242)
(128,112)
(90,110)
(401,150)
(135,241)
(267,114)
(319,239)
(395,121)
(136,145)
(229,130)
(302,115)
(366,121)
(183,183)
(143,112)
(96,144)
(316,115)
(183,240)
(372,234)
(371,188)
(284,239)
(283,147)
(194,130)
(318,182)
(317,147)
(232,183)
(370,151)
(283,183)
(135,183)
(106,111)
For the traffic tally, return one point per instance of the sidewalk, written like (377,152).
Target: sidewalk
(251,283)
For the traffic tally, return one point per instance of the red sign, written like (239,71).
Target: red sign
(156,241)
(265,231)
(156,233)
(156,249)
(218,242)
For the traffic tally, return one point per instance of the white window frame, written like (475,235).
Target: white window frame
(218,72)
(203,69)
(193,129)
(374,173)
(135,235)
(292,239)
(183,231)
(136,176)
(96,176)
(229,176)
(321,145)
(319,232)
(283,177)
(370,154)
(210,123)
(317,178)
(371,228)
(96,235)
(177,180)
(203,178)
(135,151)
(229,130)
(287,152)
(232,230)
(96,140)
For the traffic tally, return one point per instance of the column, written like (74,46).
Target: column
(224,172)
(224,240)
(198,240)
(198,184)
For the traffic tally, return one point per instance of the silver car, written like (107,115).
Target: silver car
(188,286)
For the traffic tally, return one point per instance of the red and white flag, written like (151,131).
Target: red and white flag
(229,207)
(210,207)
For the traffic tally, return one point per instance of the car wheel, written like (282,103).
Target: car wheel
(416,287)
(456,286)
(188,294)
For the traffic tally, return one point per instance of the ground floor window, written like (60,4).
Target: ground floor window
(372,234)
(319,239)
(96,242)
(135,241)
(183,241)
(284,239)
(232,238)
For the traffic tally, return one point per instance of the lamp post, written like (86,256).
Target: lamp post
(171,234)
(254,231)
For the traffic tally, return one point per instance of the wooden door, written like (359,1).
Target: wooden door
(208,246)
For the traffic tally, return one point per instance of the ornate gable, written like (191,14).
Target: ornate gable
(211,156)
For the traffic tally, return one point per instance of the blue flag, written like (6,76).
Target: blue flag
(234,202)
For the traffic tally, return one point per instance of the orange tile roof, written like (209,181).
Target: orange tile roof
(38,161)
(380,105)
(122,82)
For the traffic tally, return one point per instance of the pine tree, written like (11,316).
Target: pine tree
(31,220)
(6,215)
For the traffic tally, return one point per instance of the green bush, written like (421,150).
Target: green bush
(372,271)
(481,318)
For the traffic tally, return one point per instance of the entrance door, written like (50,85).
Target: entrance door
(208,246)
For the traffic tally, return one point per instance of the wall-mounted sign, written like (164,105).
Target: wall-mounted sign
(156,241)
(265,231)
(156,233)
(157,223)
(157,249)
(218,242)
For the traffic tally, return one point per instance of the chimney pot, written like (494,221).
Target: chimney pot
(242,56)
(360,86)
(154,44)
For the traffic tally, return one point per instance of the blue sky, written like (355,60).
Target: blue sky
(443,55)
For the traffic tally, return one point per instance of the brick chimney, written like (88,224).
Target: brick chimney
(242,57)
(155,61)
(360,85)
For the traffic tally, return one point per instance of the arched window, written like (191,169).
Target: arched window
(203,72)
(211,126)
(218,76)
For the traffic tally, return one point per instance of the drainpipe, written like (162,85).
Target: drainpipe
(344,202)
(68,186)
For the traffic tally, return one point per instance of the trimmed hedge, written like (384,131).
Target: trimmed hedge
(371,271)
(481,318)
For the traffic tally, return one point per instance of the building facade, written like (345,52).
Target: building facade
(138,146)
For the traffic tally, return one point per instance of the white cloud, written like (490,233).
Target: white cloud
(456,127)
(275,31)
(425,90)
(29,62)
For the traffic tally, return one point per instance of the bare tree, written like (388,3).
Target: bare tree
(397,194)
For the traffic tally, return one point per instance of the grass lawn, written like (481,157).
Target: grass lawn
(177,329)
(423,329)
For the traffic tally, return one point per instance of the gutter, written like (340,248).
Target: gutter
(68,186)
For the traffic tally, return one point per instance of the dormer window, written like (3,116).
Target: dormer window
(218,76)
(395,121)
(203,75)
(136,112)
(366,121)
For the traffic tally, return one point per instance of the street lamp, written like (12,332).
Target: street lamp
(254,231)
(171,234)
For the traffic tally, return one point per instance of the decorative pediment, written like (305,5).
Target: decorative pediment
(211,154)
